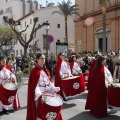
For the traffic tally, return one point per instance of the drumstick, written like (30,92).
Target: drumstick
(10,77)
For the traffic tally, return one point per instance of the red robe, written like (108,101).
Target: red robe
(31,105)
(71,65)
(57,77)
(8,67)
(92,66)
(97,99)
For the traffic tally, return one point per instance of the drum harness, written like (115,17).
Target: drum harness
(6,77)
(74,68)
(46,85)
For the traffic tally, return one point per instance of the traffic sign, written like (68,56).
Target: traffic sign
(50,38)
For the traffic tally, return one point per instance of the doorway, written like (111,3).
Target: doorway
(100,44)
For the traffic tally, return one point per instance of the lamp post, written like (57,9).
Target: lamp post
(47,25)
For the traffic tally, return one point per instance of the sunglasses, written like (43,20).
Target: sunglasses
(41,58)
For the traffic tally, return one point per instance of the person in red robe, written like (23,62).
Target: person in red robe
(39,84)
(62,71)
(75,69)
(7,75)
(92,66)
(97,94)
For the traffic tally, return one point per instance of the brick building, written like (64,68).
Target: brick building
(90,38)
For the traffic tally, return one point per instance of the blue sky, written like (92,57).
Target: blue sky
(43,2)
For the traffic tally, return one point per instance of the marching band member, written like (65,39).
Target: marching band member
(116,74)
(39,83)
(92,66)
(62,71)
(75,69)
(97,95)
(7,75)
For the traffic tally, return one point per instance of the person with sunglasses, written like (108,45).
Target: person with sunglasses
(39,84)
(62,71)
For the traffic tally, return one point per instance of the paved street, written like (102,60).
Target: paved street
(73,109)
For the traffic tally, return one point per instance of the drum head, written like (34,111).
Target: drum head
(52,99)
(70,78)
(116,85)
(9,85)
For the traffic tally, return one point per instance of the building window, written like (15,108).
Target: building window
(21,52)
(44,42)
(9,10)
(58,25)
(30,21)
(16,52)
(25,24)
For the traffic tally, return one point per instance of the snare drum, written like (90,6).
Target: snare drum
(7,92)
(49,107)
(114,95)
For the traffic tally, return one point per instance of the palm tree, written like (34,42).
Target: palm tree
(103,7)
(66,9)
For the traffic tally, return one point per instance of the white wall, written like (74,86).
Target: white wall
(58,33)
(28,31)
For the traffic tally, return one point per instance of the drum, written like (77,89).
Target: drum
(49,106)
(86,76)
(7,92)
(114,95)
(72,86)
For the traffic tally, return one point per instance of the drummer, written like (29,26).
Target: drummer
(7,75)
(39,83)
(75,69)
(62,71)
(100,80)
(116,74)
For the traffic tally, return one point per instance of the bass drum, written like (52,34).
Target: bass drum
(49,107)
(8,91)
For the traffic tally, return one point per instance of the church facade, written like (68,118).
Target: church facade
(90,38)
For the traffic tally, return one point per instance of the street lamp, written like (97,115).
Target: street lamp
(47,25)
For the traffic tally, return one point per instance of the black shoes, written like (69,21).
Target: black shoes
(64,99)
(98,117)
(5,111)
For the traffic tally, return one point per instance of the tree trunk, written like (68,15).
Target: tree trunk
(66,34)
(25,50)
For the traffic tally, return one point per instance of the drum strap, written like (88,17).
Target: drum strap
(65,73)
(42,85)
(45,94)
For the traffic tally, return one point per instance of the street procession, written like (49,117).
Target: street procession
(59,60)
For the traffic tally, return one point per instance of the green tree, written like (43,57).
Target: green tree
(7,39)
(103,7)
(66,9)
